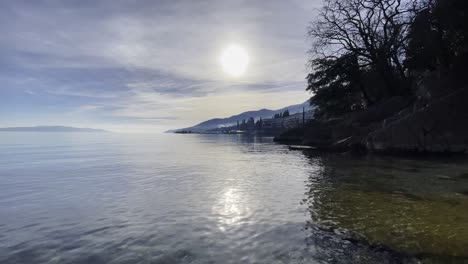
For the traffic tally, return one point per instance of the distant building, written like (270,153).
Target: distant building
(292,121)
(298,119)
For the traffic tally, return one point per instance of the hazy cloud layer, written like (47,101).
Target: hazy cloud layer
(152,65)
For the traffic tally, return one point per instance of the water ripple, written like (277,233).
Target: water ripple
(218,199)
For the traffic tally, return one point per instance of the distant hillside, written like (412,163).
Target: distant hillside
(229,121)
(50,129)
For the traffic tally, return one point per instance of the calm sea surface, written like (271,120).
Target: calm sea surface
(166,198)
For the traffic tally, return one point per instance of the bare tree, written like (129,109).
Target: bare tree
(376,31)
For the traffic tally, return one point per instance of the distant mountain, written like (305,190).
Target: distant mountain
(229,121)
(50,129)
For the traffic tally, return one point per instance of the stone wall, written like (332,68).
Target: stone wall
(441,126)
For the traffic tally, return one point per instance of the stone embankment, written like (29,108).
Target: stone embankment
(398,125)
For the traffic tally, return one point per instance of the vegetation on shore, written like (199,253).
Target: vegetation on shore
(367,51)
(389,75)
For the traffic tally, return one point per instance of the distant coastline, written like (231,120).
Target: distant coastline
(246,122)
(52,129)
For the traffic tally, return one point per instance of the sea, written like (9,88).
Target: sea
(195,198)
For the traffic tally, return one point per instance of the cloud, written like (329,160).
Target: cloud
(155,60)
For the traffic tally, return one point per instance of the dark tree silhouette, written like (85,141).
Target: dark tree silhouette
(336,86)
(366,51)
(439,38)
(259,124)
(375,31)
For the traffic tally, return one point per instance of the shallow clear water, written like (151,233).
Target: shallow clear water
(112,198)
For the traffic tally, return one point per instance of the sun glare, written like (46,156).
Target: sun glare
(234,60)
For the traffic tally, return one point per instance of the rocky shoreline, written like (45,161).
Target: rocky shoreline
(399,125)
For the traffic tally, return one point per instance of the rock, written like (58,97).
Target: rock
(294,135)
(397,125)
(349,132)
(358,149)
(381,111)
(440,127)
(318,134)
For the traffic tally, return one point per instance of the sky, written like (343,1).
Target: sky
(148,66)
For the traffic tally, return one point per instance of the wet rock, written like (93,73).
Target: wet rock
(347,247)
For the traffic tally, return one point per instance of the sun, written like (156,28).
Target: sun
(234,60)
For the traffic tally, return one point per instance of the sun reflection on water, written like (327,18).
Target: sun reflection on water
(230,208)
